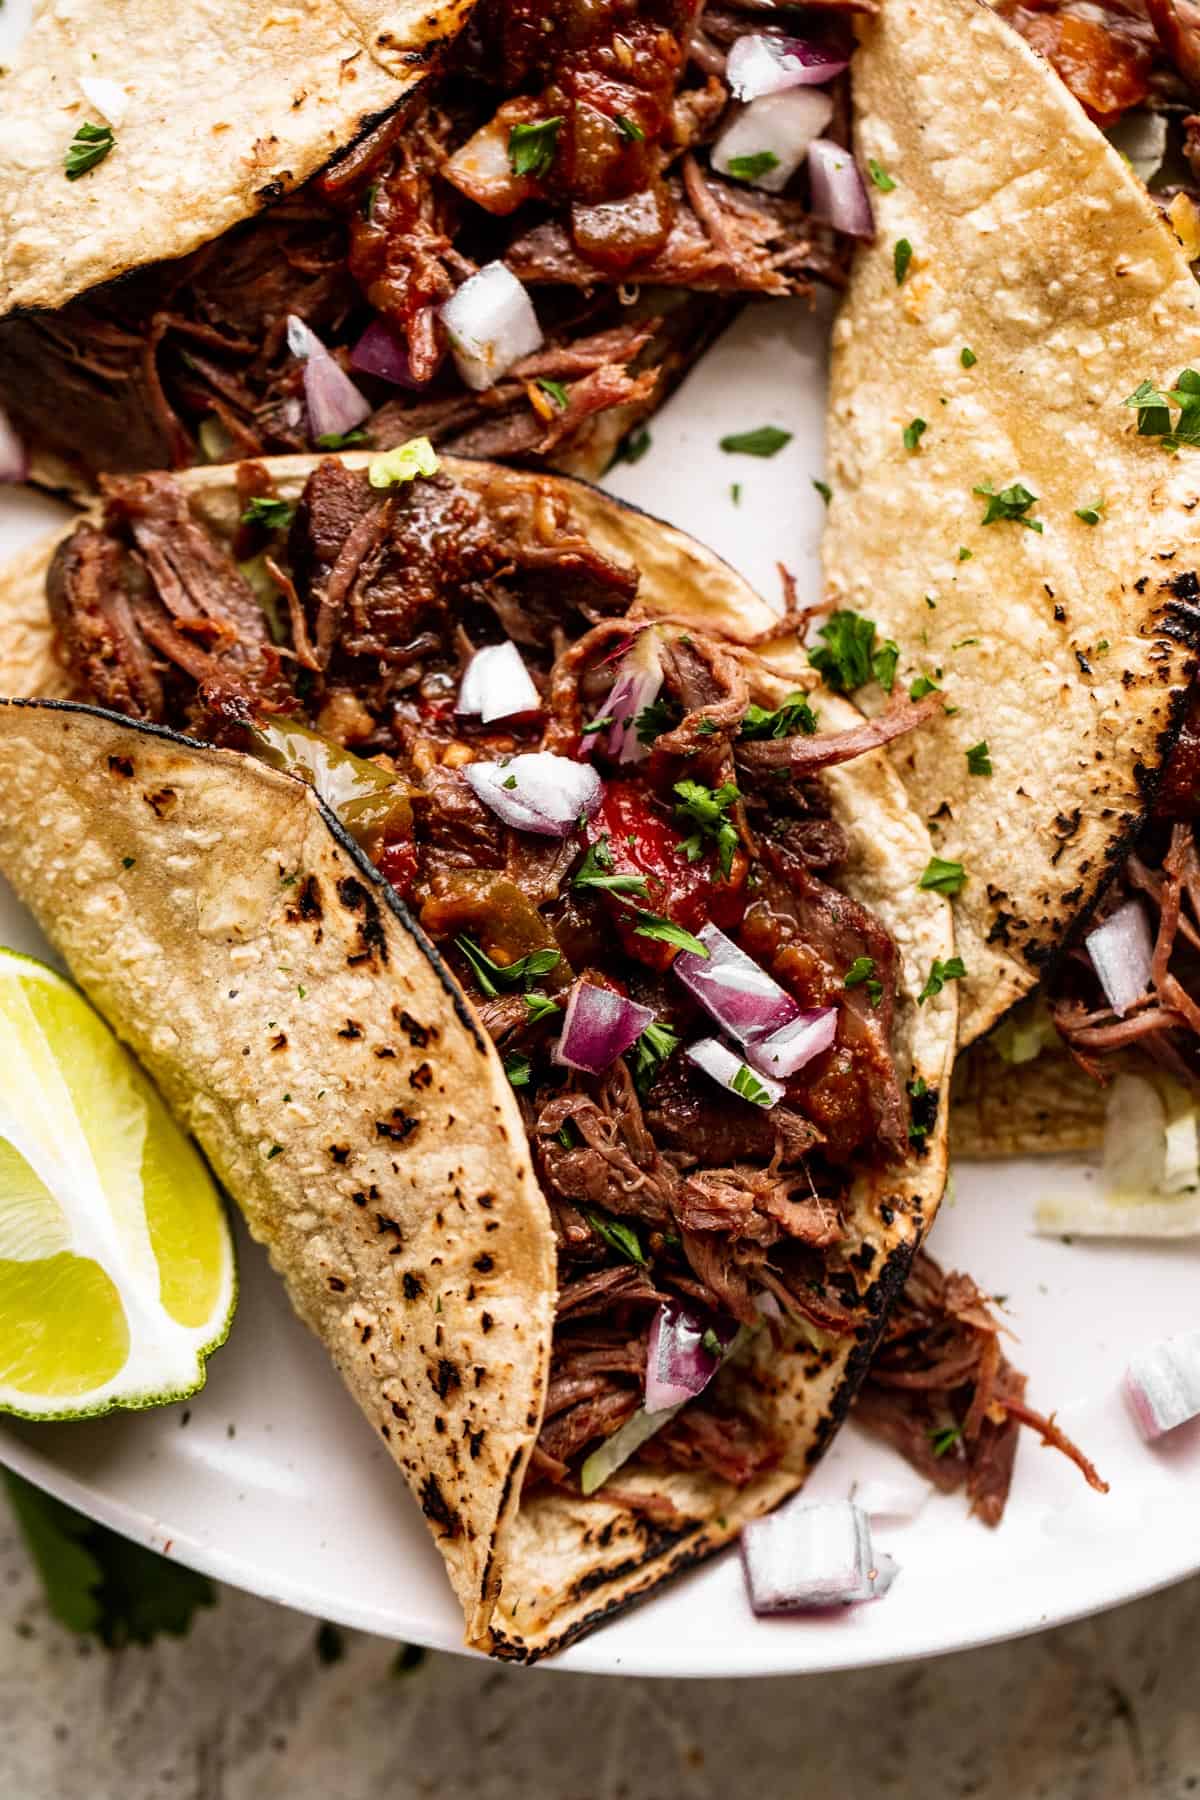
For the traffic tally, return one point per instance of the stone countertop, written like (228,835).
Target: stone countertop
(244,1708)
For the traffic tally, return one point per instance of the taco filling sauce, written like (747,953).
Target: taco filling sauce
(567,151)
(629,863)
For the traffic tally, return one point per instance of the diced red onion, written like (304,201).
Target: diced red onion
(599,1025)
(812,1554)
(497,685)
(637,686)
(731,986)
(787,1050)
(719,1061)
(539,792)
(1122,952)
(783,125)
(1162,1384)
(758,64)
(491,325)
(678,1367)
(839,193)
(14,464)
(383,351)
(335,405)
(628,1438)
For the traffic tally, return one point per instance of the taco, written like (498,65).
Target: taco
(1003,513)
(516,256)
(486,1022)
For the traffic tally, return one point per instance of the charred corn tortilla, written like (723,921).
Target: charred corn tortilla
(1042,289)
(223,113)
(1036,1108)
(212,907)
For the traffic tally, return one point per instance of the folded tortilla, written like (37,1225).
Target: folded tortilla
(221,114)
(1043,289)
(222,920)
(1037,1108)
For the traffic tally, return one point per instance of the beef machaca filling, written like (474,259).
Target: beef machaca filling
(340,637)
(569,141)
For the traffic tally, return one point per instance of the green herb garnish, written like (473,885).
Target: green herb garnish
(943,1438)
(880,176)
(531,147)
(555,389)
(518,1069)
(651,1051)
(902,257)
(539,1007)
(939,974)
(979,762)
(90,145)
(967,357)
(747,1084)
(749,168)
(914,431)
(922,685)
(844,659)
(665,931)
(274,515)
(1091,515)
(711,1342)
(594,872)
(629,129)
(492,976)
(342,440)
(793,718)
(653,720)
(706,808)
(964,555)
(861,973)
(634,447)
(943,877)
(823,488)
(765,440)
(618,1236)
(1011,503)
(883,664)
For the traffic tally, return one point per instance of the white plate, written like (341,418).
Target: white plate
(269,1478)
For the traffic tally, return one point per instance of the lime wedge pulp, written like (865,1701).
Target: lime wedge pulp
(117,1273)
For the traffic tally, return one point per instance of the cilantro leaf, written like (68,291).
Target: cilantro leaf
(943,1438)
(765,440)
(593,873)
(902,256)
(913,433)
(275,515)
(747,1084)
(629,129)
(531,147)
(634,446)
(845,657)
(518,1070)
(1011,503)
(492,976)
(665,931)
(967,357)
(1153,410)
(979,762)
(555,389)
(90,145)
(939,974)
(539,1007)
(943,877)
(618,1236)
(793,718)
(880,177)
(749,168)
(964,555)
(653,720)
(862,973)
(823,488)
(706,809)
(652,1049)
(1091,515)
(883,664)
(922,685)
(342,440)
(99,1582)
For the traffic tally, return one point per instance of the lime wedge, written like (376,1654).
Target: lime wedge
(117,1273)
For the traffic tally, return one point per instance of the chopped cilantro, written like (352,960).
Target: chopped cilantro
(555,389)
(1153,409)
(404,463)
(964,555)
(531,147)
(492,976)
(844,659)
(979,762)
(711,1342)
(765,440)
(735,493)
(883,664)
(747,1084)
(1011,503)
(653,720)
(652,1049)
(90,145)
(880,176)
(127,862)
(964,643)
(707,808)
(618,1236)
(823,488)
(342,440)
(793,718)
(101,1583)
(274,1151)
(749,168)
(861,973)
(914,431)
(920,686)
(902,256)
(943,1438)
(629,129)
(539,1007)
(967,357)
(634,447)
(600,724)
(1092,514)
(943,877)
(664,931)
(939,974)
(518,1070)
(595,872)
(275,515)
(1101,647)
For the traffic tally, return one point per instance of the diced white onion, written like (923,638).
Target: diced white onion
(1162,1384)
(1122,952)
(810,1555)
(900,1497)
(539,792)
(779,125)
(497,685)
(786,1051)
(839,193)
(491,325)
(108,97)
(717,1060)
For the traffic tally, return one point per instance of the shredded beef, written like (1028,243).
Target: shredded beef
(729,1445)
(942,1392)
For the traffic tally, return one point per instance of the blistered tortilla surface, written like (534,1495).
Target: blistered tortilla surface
(225,108)
(1066,650)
